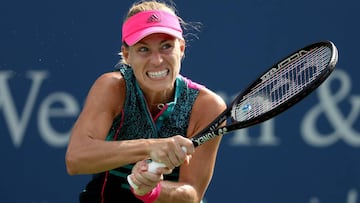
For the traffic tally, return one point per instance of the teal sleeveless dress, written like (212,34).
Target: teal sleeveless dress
(136,122)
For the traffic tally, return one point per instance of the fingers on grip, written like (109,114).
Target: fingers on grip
(131,183)
(153,166)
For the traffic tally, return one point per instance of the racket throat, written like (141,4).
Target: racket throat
(199,140)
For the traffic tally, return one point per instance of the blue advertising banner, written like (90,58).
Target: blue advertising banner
(52,51)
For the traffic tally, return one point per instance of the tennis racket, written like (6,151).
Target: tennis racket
(276,90)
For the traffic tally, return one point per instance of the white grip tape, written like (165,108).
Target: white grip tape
(153,166)
(131,183)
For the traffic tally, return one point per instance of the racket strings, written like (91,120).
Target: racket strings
(290,79)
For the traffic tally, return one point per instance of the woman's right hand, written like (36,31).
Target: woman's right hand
(172,151)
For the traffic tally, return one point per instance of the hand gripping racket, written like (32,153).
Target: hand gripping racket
(277,89)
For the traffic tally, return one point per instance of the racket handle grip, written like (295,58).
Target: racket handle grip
(131,183)
(153,166)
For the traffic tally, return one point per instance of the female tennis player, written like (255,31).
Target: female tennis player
(144,110)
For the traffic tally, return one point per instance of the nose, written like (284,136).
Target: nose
(156,58)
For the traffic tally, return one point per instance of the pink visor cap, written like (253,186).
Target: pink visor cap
(149,22)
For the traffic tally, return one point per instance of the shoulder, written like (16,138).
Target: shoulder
(108,91)
(109,78)
(208,98)
(207,107)
(110,82)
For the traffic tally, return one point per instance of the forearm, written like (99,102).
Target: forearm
(176,192)
(96,156)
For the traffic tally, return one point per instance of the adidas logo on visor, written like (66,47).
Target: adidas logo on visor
(153,19)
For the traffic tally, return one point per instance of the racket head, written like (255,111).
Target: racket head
(284,84)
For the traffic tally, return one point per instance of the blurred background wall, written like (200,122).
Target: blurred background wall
(52,51)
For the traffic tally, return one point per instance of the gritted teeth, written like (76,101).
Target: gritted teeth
(157,74)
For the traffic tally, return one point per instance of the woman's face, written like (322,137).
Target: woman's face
(156,61)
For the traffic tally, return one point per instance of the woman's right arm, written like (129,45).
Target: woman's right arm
(87,151)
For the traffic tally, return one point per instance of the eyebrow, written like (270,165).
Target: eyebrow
(162,41)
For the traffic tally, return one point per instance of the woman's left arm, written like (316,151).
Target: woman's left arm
(196,175)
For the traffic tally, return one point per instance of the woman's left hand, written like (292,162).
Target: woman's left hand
(145,180)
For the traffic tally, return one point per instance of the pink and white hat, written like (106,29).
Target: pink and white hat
(149,22)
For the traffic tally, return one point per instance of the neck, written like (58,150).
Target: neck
(157,102)
(160,98)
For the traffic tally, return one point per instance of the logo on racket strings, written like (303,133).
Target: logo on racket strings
(283,63)
(246,108)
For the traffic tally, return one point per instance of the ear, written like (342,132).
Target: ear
(182,48)
(125,52)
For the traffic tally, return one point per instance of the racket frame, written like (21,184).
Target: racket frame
(215,129)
